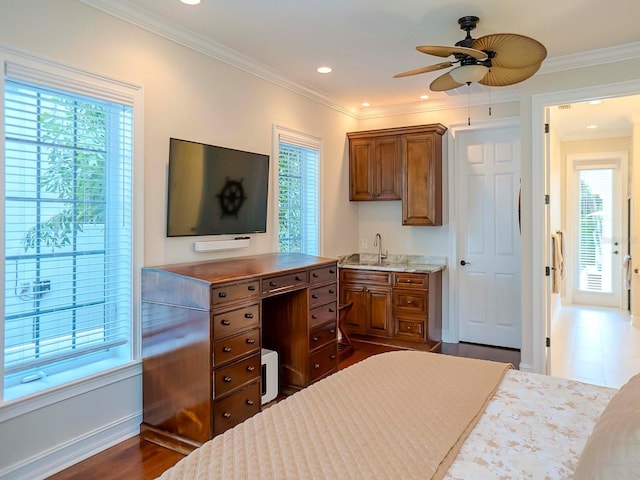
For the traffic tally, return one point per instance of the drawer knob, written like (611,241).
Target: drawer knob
(331,291)
(314,338)
(314,296)
(225,322)
(249,402)
(227,379)
(331,310)
(248,315)
(226,349)
(272,284)
(250,368)
(252,288)
(315,275)
(332,331)
(408,328)
(332,271)
(314,316)
(333,356)
(316,365)
(250,341)
(222,294)
(409,302)
(226,415)
(298,279)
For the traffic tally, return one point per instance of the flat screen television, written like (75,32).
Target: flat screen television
(215,190)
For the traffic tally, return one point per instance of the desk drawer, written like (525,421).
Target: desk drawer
(236,408)
(233,292)
(323,362)
(410,301)
(369,277)
(235,321)
(236,375)
(286,281)
(322,314)
(319,337)
(322,295)
(324,274)
(232,348)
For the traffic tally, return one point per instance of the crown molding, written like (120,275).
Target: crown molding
(128,12)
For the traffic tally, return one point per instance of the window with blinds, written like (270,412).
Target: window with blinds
(595,225)
(298,193)
(68,232)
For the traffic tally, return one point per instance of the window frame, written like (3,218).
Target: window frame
(292,137)
(25,67)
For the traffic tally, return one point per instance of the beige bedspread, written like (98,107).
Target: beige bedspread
(395,415)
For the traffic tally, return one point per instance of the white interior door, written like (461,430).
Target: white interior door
(488,246)
(595,206)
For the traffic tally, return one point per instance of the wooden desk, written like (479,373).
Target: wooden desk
(203,325)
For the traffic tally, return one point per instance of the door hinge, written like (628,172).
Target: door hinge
(547,271)
(547,199)
(546,128)
(547,342)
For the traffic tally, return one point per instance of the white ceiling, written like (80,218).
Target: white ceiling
(366,42)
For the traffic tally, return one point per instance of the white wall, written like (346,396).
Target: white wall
(187,95)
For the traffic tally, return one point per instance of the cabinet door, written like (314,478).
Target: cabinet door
(361,175)
(422,179)
(379,306)
(355,321)
(388,185)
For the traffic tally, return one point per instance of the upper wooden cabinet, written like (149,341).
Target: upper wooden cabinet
(374,168)
(399,163)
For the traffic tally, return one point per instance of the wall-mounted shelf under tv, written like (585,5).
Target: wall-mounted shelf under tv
(213,245)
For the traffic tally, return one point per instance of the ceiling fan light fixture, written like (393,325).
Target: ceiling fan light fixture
(469,73)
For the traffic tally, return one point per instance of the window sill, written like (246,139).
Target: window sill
(58,391)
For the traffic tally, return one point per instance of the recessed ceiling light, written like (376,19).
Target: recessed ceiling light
(191,2)
(424,97)
(593,125)
(594,102)
(324,70)
(366,104)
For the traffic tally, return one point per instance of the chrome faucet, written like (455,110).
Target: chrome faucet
(378,243)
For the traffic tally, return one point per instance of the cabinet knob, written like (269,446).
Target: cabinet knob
(332,331)
(227,379)
(252,288)
(249,402)
(250,341)
(315,317)
(316,365)
(272,284)
(314,296)
(250,368)
(222,294)
(298,278)
(226,415)
(331,291)
(248,315)
(225,322)
(332,271)
(314,338)
(226,349)
(314,275)
(332,356)
(408,328)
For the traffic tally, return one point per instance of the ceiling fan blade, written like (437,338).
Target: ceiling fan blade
(442,51)
(444,82)
(431,68)
(512,50)
(501,77)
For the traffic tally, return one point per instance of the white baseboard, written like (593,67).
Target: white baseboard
(67,454)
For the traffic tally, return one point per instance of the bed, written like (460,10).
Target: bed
(410,414)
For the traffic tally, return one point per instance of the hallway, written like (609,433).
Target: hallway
(595,345)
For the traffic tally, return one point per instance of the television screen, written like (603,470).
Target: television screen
(215,190)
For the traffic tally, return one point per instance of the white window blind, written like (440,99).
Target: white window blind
(298,194)
(595,216)
(68,231)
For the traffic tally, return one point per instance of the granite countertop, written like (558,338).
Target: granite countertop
(394,263)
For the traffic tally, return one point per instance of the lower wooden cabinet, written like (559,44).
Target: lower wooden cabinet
(393,305)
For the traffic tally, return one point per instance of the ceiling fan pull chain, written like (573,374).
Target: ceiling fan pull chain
(468,104)
(489,100)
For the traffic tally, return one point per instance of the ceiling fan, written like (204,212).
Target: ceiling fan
(494,60)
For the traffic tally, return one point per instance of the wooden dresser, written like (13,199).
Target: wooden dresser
(203,327)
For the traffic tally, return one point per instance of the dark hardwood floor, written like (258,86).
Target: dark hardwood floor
(137,459)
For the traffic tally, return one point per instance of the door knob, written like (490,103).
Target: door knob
(463,263)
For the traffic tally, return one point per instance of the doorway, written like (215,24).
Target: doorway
(591,207)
